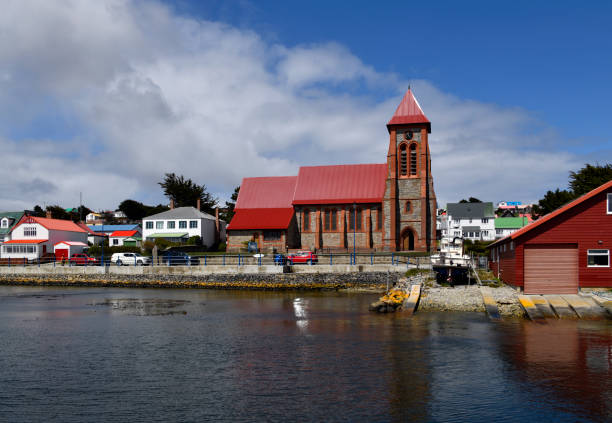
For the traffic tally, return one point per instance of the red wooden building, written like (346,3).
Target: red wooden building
(563,251)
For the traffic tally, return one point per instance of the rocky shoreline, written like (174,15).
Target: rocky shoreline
(433,297)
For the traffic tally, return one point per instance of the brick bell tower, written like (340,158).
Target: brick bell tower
(409,203)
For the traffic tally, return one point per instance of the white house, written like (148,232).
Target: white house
(127,238)
(34,237)
(179,224)
(474,221)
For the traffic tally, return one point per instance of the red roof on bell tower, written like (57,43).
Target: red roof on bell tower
(409,111)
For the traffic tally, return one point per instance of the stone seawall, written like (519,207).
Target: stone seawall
(303,281)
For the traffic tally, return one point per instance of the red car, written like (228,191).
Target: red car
(82,259)
(302,257)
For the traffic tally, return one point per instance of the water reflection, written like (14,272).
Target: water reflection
(262,356)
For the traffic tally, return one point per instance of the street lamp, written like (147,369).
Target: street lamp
(354,229)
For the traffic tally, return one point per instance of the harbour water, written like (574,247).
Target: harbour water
(143,355)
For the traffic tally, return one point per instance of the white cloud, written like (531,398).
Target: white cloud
(146,92)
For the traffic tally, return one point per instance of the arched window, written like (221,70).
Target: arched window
(407,207)
(403,160)
(413,160)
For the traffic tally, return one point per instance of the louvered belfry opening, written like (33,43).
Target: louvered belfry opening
(413,160)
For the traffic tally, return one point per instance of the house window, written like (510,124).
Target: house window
(272,235)
(511,245)
(149,225)
(159,225)
(306,224)
(352,219)
(485,220)
(407,207)
(403,160)
(29,231)
(327,220)
(359,218)
(5,223)
(413,160)
(182,224)
(379,219)
(499,231)
(115,241)
(171,224)
(610,203)
(598,258)
(193,224)
(485,233)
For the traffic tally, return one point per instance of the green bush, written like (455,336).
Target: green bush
(222,247)
(194,240)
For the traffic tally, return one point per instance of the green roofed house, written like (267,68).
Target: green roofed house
(505,226)
(7,221)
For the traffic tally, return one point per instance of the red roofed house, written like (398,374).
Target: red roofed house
(388,206)
(131,238)
(34,237)
(562,251)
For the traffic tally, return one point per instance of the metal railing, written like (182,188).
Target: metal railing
(223,260)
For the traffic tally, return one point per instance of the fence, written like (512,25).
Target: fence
(130,259)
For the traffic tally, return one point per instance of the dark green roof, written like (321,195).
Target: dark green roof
(470,210)
(13,215)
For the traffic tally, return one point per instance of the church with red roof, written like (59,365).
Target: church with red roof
(372,207)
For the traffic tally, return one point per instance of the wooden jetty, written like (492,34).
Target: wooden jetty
(489,302)
(411,302)
(532,311)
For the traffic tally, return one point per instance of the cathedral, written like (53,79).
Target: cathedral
(371,207)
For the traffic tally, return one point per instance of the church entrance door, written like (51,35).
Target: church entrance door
(407,240)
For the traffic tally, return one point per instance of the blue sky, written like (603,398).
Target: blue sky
(105,97)
(551,58)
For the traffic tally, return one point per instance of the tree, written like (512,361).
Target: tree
(230,205)
(185,193)
(135,210)
(471,200)
(552,201)
(588,178)
(38,211)
(58,212)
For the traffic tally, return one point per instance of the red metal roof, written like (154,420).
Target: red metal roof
(266,192)
(555,213)
(121,234)
(26,241)
(360,183)
(409,111)
(263,218)
(52,224)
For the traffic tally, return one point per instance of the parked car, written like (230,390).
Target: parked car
(304,256)
(82,259)
(133,259)
(176,258)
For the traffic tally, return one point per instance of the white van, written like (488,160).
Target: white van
(133,259)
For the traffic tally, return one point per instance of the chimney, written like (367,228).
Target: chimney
(199,204)
(217,227)
(48,214)
(171,203)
